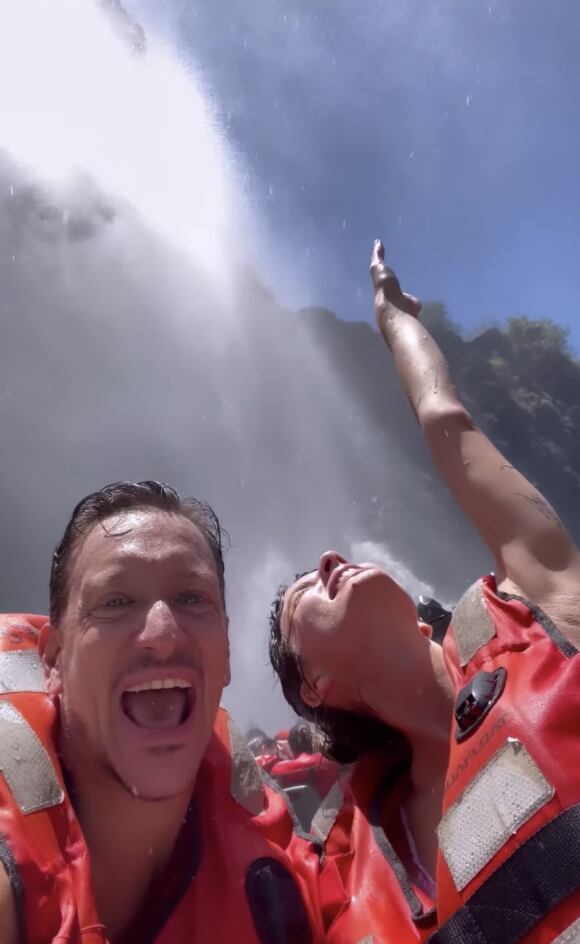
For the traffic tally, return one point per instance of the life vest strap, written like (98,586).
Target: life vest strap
(8,861)
(541,874)
(421,918)
(560,641)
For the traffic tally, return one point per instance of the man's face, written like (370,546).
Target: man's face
(141,655)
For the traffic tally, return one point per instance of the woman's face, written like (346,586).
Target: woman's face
(345,620)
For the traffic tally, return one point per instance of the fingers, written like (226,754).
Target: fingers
(381,273)
(386,284)
(378,253)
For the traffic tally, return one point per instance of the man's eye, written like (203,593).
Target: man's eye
(190,597)
(114,602)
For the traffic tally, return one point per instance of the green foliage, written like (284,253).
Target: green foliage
(523,385)
(435,318)
(538,338)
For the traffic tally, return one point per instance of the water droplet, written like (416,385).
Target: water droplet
(412,154)
(344,224)
(467,101)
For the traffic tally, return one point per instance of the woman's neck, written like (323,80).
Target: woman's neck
(420,706)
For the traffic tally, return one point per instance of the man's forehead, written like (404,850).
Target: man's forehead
(144,534)
(291,596)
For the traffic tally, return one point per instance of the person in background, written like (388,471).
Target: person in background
(467,755)
(130,808)
(263,748)
(281,738)
(301,739)
(307,776)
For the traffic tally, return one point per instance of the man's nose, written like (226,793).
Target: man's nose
(159,635)
(329,561)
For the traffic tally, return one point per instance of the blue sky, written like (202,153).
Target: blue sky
(449,127)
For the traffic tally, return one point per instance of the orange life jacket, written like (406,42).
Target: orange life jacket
(366,894)
(239,888)
(306,769)
(509,838)
(266,761)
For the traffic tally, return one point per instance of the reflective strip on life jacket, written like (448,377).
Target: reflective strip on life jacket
(25,764)
(570,936)
(539,875)
(246,783)
(505,794)
(21,671)
(472,626)
(327,812)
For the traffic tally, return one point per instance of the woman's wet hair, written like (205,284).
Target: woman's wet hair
(346,734)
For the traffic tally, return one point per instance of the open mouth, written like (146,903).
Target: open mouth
(161,703)
(340,575)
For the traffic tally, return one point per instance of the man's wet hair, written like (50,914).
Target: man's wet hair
(115,499)
(346,734)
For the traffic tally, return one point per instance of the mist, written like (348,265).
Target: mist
(140,340)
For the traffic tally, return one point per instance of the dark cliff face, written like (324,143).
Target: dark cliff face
(119,360)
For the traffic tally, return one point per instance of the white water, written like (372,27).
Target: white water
(76,101)
(93,387)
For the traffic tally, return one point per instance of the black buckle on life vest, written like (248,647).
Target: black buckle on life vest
(476,699)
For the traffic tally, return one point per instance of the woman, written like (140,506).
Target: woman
(351,656)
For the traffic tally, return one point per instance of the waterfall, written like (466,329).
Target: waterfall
(136,342)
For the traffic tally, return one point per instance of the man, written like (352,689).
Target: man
(352,657)
(129,808)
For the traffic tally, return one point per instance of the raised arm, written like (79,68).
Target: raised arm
(534,554)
